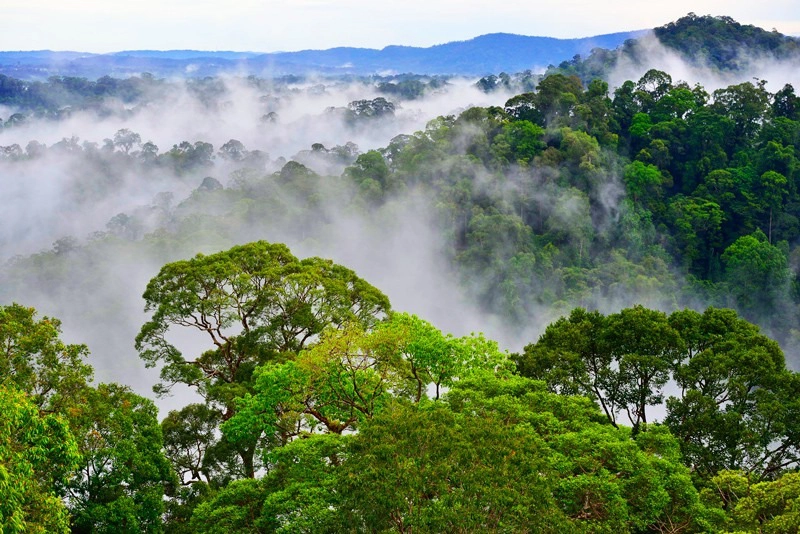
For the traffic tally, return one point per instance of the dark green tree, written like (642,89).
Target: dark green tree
(123,472)
(738,406)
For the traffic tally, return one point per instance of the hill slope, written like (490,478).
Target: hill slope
(718,42)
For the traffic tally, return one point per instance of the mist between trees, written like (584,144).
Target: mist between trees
(500,213)
(564,196)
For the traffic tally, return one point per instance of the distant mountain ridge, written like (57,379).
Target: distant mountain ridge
(491,53)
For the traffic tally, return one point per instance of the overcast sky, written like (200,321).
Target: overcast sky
(270,25)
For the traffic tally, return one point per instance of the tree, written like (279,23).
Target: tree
(34,360)
(786,103)
(504,454)
(298,494)
(126,140)
(236,509)
(555,98)
(679,102)
(496,453)
(430,358)
(768,506)
(370,169)
(644,183)
(38,455)
(738,407)
(524,107)
(624,106)
(188,434)
(651,87)
(621,361)
(757,274)
(345,379)
(333,386)
(571,358)
(432,469)
(186,156)
(252,304)
(123,472)
(698,224)
(645,347)
(772,188)
(234,150)
(745,104)
(370,109)
(518,142)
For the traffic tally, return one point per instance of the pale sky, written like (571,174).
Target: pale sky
(270,25)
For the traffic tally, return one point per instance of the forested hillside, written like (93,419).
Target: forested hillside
(717,43)
(629,253)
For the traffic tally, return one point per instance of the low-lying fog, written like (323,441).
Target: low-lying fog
(74,187)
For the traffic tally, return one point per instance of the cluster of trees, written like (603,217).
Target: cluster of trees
(659,192)
(409,87)
(59,97)
(72,455)
(520,82)
(724,43)
(718,43)
(565,181)
(51,97)
(322,410)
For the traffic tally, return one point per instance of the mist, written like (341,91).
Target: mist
(78,206)
(90,217)
(649,53)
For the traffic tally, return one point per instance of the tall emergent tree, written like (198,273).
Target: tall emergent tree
(250,305)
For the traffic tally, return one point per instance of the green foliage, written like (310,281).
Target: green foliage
(643,182)
(435,470)
(519,142)
(757,273)
(565,197)
(254,304)
(698,225)
(351,374)
(723,42)
(496,454)
(189,433)
(123,472)
(371,174)
(34,360)
(234,509)
(768,507)
(304,486)
(506,455)
(622,361)
(37,455)
(737,404)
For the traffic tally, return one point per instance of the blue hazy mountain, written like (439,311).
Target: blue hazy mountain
(492,53)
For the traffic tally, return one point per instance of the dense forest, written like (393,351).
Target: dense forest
(705,42)
(636,246)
